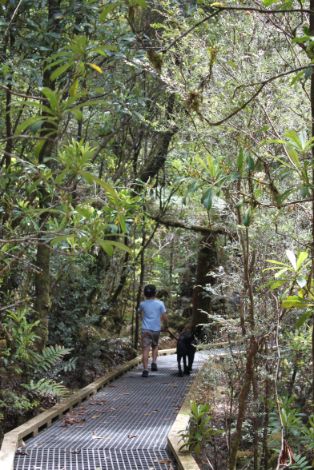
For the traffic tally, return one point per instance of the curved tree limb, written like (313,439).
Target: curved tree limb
(195,228)
(262,85)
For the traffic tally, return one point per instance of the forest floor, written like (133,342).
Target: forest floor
(210,387)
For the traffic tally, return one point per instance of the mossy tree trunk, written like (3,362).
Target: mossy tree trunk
(206,262)
(48,134)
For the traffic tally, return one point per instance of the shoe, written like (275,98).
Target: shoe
(154,366)
(145,373)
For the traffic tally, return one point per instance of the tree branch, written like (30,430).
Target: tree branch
(22,95)
(194,228)
(262,85)
(221,9)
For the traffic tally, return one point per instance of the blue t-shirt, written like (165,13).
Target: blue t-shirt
(152,310)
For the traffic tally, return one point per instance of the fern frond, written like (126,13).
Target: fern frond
(44,387)
(301,463)
(49,357)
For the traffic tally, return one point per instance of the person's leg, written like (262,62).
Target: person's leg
(146,344)
(145,357)
(154,353)
(155,339)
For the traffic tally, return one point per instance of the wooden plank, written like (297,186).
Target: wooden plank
(185,460)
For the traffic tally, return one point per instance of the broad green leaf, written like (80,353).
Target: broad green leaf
(121,246)
(293,301)
(59,71)
(277,262)
(267,3)
(303,318)
(106,10)
(86,212)
(53,98)
(95,67)
(74,87)
(28,123)
(281,272)
(106,246)
(38,147)
(90,178)
(137,3)
(212,167)
(294,158)
(291,257)
(275,284)
(207,198)
(250,163)
(62,238)
(303,255)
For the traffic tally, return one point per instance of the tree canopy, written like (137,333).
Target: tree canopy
(168,142)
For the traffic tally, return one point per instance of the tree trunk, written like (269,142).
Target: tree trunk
(267,397)
(243,396)
(140,289)
(42,276)
(42,291)
(207,261)
(312,148)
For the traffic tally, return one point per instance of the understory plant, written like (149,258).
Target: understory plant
(199,430)
(298,434)
(28,377)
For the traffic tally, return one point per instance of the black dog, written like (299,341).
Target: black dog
(186,351)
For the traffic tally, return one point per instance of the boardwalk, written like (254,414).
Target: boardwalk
(123,427)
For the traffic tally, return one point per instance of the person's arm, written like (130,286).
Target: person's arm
(164,319)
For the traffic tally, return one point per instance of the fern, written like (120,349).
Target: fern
(44,387)
(300,463)
(308,434)
(49,357)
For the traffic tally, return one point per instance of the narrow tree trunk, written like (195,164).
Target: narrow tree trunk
(140,290)
(244,393)
(255,420)
(312,132)
(207,261)
(265,454)
(42,277)
(42,290)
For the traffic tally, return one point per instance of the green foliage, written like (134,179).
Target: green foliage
(298,431)
(295,276)
(25,369)
(44,387)
(199,428)
(301,463)
(49,357)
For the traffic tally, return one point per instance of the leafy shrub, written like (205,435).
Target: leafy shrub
(199,429)
(25,372)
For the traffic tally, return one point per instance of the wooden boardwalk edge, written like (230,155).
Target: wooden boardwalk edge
(12,439)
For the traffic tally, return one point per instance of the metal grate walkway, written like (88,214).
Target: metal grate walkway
(124,426)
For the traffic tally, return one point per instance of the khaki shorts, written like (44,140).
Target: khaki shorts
(150,338)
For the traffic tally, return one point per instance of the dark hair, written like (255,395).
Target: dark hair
(150,290)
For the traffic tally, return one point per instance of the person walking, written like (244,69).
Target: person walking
(152,311)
